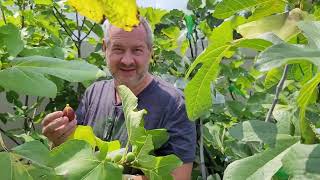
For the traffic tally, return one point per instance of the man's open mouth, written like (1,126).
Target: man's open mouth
(127,70)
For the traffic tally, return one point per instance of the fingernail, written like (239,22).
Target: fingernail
(65,118)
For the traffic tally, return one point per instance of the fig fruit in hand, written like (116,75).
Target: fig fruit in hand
(69,112)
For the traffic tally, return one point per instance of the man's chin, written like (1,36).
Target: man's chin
(128,82)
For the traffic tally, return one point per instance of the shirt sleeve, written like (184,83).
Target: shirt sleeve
(182,133)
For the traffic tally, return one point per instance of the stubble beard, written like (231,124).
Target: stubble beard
(129,82)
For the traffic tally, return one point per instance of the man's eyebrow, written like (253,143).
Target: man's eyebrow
(116,45)
(139,46)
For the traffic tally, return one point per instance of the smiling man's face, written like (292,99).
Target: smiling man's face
(128,55)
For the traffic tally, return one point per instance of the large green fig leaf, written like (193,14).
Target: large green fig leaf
(213,134)
(268,8)
(10,37)
(197,91)
(308,95)
(43,51)
(273,77)
(159,137)
(86,133)
(25,82)
(302,72)
(302,161)
(283,25)
(311,29)
(255,131)
(27,161)
(281,54)
(14,170)
(133,117)
(145,141)
(156,168)
(227,8)
(308,91)
(256,44)
(135,124)
(287,120)
(221,34)
(26,74)
(262,165)
(34,150)
(75,159)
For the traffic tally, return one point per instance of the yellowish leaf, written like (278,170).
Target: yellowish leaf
(84,133)
(122,14)
(108,146)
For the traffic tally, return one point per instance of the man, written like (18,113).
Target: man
(128,55)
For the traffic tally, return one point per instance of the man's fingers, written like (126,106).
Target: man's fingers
(65,132)
(59,133)
(69,129)
(51,117)
(57,123)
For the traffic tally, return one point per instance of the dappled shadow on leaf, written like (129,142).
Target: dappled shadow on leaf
(313,162)
(255,131)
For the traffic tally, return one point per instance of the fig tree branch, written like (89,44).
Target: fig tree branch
(79,35)
(88,32)
(278,90)
(63,24)
(11,138)
(83,20)
(66,30)
(3,15)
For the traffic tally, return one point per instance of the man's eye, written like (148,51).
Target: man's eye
(117,49)
(138,50)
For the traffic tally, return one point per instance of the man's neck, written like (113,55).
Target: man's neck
(136,89)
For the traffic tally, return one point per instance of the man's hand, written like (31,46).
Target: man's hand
(183,172)
(57,128)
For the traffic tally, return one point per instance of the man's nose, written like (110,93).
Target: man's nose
(127,58)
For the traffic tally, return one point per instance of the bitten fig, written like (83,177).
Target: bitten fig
(69,112)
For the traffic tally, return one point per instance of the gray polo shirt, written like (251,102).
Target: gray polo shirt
(165,106)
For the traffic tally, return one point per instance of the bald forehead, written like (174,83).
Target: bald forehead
(138,32)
